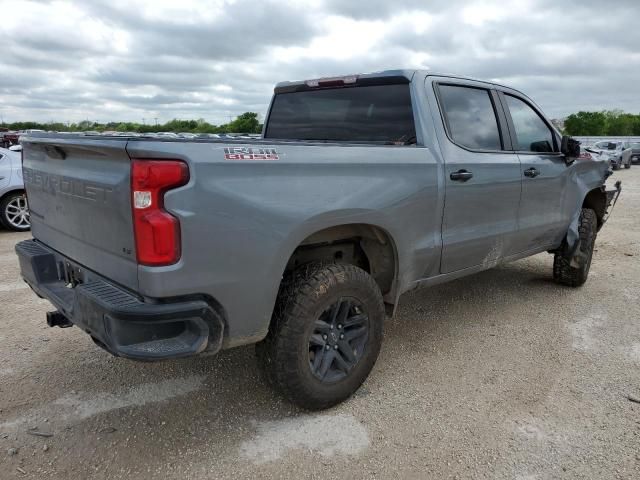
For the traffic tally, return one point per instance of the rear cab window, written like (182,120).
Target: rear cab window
(368,113)
(470,117)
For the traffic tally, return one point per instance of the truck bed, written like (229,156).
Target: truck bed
(233,209)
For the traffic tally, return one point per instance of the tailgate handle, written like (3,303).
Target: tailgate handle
(55,151)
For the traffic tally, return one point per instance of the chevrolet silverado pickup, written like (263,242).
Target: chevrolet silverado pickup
(361,188)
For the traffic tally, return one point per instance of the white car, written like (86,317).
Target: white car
(14,211)
(612,151)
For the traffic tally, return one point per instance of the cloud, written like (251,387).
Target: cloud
(382,9)
(108,60)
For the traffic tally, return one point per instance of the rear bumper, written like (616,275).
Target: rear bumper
(116,319)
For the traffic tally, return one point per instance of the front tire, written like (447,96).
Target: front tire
(564,272)
(14,212)
(325,334)
(628,164)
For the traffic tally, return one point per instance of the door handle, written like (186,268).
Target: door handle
(461,175)
(531,172)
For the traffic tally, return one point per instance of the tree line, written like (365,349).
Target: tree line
(605,123)
(245,123)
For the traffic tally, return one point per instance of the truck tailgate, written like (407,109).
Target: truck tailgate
(80,202)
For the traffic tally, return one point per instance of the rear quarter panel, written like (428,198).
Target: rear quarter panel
(241,220)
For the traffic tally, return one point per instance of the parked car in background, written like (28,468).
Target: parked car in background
(8,138)
(14,212)
(165,135)
(632,150)
(187,135)
(612,151)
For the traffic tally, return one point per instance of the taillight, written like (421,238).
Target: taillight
(157,232)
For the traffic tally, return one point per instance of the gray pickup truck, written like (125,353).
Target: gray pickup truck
(362,188)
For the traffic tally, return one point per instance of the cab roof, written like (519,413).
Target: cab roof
(401,75)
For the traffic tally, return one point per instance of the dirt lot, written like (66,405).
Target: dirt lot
(500,375)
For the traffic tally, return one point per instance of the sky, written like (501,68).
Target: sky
(127,60)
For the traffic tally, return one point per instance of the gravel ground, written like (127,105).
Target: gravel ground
(499,375)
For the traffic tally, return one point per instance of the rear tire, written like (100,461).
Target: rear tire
(14,212)
(575,276)
(325,334)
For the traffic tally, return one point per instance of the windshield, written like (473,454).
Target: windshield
(379,113)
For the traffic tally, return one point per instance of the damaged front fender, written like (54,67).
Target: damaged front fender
(601,200)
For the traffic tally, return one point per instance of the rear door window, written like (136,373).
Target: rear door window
(470,117)
(377,113)
(532,133)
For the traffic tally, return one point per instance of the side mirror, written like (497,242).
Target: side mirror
(570,147)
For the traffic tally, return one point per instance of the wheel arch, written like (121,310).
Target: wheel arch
(365,245)
(596,200)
